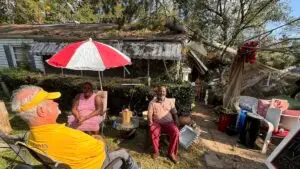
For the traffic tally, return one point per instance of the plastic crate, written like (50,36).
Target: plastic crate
(187,136)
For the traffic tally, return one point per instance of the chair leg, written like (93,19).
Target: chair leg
(268,137)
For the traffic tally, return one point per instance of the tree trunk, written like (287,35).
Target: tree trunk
(4,122)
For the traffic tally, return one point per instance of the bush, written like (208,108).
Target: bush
(119,97)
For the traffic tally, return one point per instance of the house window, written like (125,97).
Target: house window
(21,56)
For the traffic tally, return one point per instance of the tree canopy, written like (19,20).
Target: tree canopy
(229,22)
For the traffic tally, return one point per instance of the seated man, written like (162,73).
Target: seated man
(87,111)
(162,115)
(71,147)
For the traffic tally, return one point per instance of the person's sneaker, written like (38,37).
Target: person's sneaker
(155,155)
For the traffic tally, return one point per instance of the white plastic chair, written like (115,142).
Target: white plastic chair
(272,119)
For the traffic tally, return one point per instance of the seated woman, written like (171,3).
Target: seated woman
(87,111)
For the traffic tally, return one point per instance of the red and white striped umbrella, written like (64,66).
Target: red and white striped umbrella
(88,55)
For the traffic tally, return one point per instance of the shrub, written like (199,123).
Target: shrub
(119,97)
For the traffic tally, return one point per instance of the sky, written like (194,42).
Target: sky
(295,12)
(294,5)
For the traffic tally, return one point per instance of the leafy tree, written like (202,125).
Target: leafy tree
(276,59)
(28,11)
(7,11)
(231,20)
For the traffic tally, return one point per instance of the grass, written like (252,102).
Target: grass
(136,147)
(191,158)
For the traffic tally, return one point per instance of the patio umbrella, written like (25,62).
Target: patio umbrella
(89,55)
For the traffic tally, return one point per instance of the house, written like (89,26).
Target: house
(151,52)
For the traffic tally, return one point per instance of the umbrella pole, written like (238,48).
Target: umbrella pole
(100,80)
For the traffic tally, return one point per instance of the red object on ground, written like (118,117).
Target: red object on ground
(224,121)
(281,134)
(172,132)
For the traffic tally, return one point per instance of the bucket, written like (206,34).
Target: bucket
(224,121)
(126,116)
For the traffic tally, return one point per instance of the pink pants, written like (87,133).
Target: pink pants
(169,129)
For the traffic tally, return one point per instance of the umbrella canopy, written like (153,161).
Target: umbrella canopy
(88,55)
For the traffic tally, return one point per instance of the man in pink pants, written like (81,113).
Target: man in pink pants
(162,116)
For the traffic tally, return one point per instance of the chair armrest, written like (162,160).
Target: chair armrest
(268,136)
(47,161)
(115,161)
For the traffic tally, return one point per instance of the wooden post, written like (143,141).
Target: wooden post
(99,75)
(4,122)
(148,73)
(148,68)
(166,68)
(124,72)
(268,82)
(5,89)
(177,70)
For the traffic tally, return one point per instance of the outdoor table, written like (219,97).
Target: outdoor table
(126,130)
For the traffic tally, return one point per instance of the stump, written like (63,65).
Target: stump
(4,122)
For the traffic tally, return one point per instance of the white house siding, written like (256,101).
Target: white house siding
(16,45)
(38,62)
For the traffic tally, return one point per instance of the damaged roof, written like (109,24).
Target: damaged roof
(73,32)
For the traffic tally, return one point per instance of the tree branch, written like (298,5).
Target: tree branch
(243,27)
(212,10)
(242,5)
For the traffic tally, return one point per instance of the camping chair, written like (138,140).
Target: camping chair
(21,153)
(24,153)
(46,161)
(50,163)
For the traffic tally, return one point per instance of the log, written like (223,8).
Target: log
(4,122)
(220,46)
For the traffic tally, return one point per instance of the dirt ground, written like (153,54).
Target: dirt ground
(231,154)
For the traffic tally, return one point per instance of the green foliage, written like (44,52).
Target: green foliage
(184,94)
(85,14)
(57,11)
(276,60)
(226,20)
(28,11)
(135,97)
